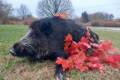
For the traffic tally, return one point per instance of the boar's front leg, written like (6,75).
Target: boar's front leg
(59,73)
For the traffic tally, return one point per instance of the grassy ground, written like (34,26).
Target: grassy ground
(21,69)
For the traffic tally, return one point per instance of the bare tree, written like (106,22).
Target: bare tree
(48,8)
(23,12)
(5,11)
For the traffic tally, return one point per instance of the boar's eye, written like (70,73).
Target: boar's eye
(46,28)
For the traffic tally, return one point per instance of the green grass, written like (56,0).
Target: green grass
(20,69)
(9,34)
(109,35)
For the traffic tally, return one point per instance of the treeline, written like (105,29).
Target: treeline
(98,19)
(49,8)
(85,17)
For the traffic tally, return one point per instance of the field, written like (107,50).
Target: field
(12,68)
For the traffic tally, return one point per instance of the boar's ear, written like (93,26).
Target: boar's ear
(46,28)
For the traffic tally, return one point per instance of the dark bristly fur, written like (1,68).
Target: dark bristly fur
(45,40)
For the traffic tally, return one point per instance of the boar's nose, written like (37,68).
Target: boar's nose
(12,51)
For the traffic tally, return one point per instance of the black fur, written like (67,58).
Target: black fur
(45,40)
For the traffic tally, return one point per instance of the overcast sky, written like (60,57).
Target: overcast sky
(91,6)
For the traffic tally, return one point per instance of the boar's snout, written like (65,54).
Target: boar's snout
(22,50)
